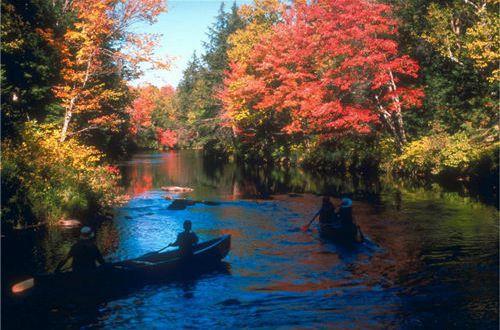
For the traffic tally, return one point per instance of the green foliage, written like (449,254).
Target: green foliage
(198,105)
(45,180)
(29,66)
(352,153)
(456,45)
(216,57)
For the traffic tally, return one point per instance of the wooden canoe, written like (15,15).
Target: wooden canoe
(337,234)
(122,275)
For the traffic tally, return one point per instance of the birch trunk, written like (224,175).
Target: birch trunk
(69,110)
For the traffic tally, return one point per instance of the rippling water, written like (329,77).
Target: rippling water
(431,260)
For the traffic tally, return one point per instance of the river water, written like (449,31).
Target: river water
(430,261)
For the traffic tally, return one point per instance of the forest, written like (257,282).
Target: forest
(408,88)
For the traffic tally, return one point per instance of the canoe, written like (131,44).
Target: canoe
(148,268)
(335,233)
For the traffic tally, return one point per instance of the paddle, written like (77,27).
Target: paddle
(361,236)
(23,286)
(155,252)
(306,227)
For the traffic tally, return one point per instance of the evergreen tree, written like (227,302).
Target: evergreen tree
(202,80)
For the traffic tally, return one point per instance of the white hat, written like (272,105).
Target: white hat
(86,233)
(346,202)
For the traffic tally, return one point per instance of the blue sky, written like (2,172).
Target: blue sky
(184,28)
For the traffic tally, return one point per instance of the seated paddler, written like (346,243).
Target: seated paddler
(85,253)
(349,227)
(327,211)
(186,240)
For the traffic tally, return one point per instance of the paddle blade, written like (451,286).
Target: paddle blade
(23,286)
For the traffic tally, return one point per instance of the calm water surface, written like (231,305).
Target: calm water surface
(431,260)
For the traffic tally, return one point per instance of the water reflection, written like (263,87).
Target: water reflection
(431,260)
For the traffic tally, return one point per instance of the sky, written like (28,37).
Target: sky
(183,27)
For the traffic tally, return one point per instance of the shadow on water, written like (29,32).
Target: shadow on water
(431,260)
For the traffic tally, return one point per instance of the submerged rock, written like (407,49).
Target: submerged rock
(180,204)
(177,189)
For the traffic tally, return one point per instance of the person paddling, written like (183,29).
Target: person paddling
(326,213)
(347,224)
(84,253)
(186,240)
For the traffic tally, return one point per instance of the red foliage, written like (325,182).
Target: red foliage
(113,170)
(332,66)
(142,107)
(166,138)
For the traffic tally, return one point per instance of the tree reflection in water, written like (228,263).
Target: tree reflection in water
(432,260)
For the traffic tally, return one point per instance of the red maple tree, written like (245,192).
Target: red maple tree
(331,67)
(166,138)
(142,107)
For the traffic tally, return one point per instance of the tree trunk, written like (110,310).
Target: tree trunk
(398,114)
(67,118)
(390,122)
(69,109)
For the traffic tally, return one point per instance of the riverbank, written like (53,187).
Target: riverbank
(90,189)
(45,180)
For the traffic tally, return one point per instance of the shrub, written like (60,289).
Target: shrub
(45,180)
(440,153)
(356,153)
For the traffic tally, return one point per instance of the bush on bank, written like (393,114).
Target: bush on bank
(351,153)
(461,155)
(46,180)
(470,154)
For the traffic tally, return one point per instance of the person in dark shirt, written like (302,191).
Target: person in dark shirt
(327,211)
(84,253)
(186,240)
(349,227)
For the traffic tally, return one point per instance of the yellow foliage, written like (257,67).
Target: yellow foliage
(259,19)
(56,178)
(483,41)
(441,152)
(465,30)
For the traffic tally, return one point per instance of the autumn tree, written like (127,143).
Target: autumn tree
(258,19)
(330,67)
(154,117)
(466,30)
(166,138)
(100,34)
(454,41)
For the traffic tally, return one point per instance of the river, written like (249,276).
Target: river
(430,261)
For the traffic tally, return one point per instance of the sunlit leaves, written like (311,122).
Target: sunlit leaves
(330,67)
(101,36)
(153,114)
(466,31)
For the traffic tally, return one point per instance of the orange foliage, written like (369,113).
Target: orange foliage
(84,48)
